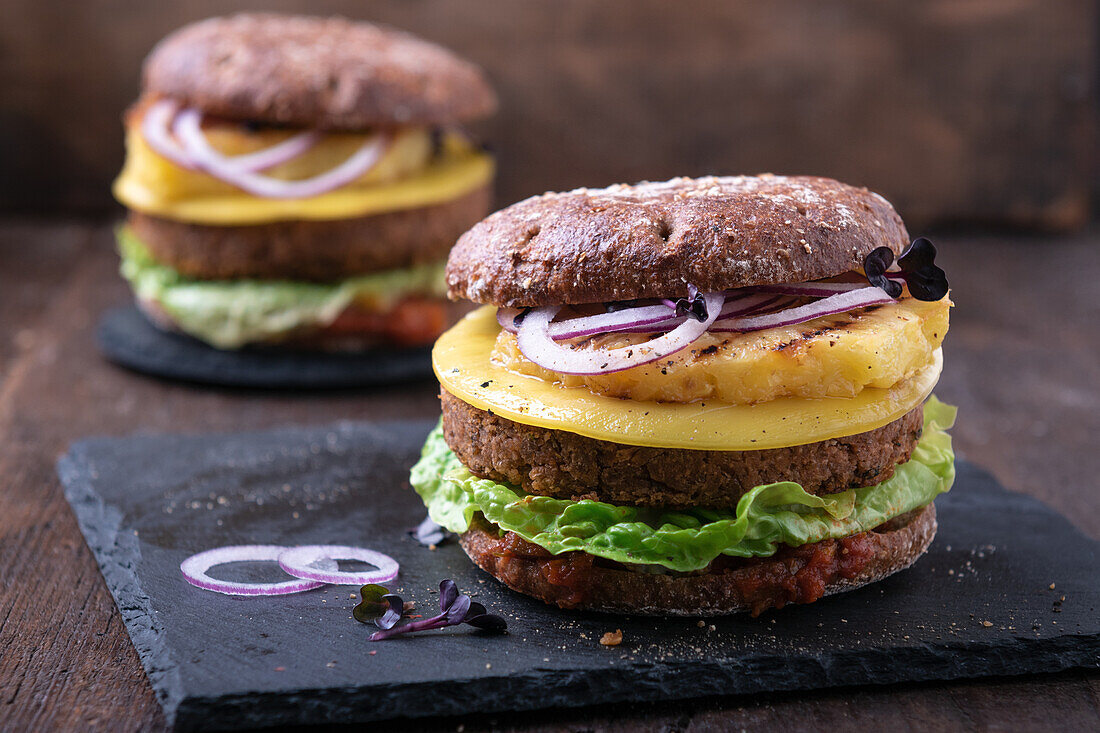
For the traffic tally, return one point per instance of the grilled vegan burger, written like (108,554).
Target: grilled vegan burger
(300,180)
(693,397)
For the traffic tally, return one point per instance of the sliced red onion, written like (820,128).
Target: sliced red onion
(536,343)
(283,152)
(612,322)
(194,570)
(155,129)
(506,317)
(812,290)
(746,304)
(627,319)
(640,319)
(188,129)
(839,303)
(299,562)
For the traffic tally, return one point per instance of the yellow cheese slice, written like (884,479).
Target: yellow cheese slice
(461,359)
(452,175)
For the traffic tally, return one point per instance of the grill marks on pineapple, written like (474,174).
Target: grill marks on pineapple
(833,356)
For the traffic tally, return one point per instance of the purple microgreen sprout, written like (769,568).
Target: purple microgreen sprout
(448,592)
(693,305)
(428,533)
(875,265)
(455,608)
(379,606)
(926,281)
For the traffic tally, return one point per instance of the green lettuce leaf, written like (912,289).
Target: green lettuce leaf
(687,540)
(232,313)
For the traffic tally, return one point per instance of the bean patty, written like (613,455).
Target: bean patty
(566,465)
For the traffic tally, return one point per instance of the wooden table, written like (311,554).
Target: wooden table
(1022,364)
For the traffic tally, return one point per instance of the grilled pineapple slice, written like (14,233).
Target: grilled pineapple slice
(832,356)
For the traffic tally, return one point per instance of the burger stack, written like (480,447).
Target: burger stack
(692,397)
(299,181)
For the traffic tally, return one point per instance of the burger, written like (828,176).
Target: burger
(299,181)
(693,397)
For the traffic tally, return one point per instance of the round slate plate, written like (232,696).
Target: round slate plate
(127,338)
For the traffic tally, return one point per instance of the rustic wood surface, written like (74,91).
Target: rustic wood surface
(1021,364)
(956,110)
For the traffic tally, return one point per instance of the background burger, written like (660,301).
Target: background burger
(300,180)
(692,397)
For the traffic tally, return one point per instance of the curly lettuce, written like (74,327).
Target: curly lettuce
(686,540)
(232,313)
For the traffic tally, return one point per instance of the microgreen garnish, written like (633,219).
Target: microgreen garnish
(926,281)
(428,533)
(918,263)
(455,608)
(693,305)
(875,265)
(379,606)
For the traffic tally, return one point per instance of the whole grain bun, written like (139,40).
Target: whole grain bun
(653,239)
(315,250)
(569,466)
(328,73)
(768,582)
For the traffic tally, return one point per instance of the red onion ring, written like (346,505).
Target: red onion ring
(301,563)
(159,118)
(506,317)
(610,322)
(283,152)
(194,570)
(188,129)
(633,320)
(839,303)
(154,128)
(535,342)
(746,304)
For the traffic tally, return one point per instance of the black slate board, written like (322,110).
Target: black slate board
(127,338)
(145,503)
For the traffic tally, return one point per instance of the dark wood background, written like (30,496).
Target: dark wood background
(957,110)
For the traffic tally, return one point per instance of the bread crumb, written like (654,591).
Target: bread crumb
(612,638)
(701,623)
(987,624)
(1052,586)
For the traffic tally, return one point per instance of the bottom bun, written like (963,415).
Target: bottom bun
(804,574)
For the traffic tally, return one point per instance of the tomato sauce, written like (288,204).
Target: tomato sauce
(791,575)
(410,322)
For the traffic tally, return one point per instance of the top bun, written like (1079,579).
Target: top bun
(328,73)
(650,240)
